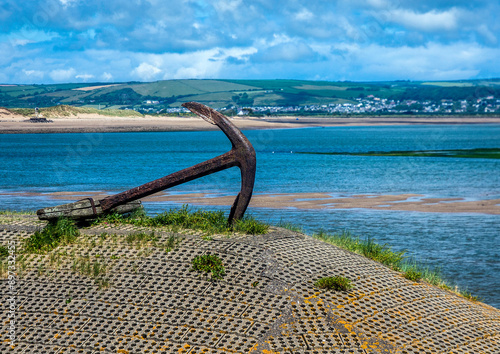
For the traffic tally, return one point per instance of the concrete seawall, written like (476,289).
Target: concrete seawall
(266,302)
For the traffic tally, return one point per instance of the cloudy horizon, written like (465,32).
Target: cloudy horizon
(54,41)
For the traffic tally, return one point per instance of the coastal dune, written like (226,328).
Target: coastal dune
(12,123)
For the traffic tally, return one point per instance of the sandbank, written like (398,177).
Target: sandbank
(87,123)
(312,201)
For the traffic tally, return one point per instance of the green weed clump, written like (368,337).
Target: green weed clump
(334,283)
(211,222)
(368,248)
(208,221)
(468,295)
(141,239)
(171,243)
(413,275)
(3,268)
(396,260)
(93,269)
(63,231)
(4,252)
(290,226)
(209,263)
(249,225)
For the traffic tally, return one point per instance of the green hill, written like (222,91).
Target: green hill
(241,93)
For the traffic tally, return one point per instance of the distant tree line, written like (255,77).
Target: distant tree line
(125,96)
(242,99)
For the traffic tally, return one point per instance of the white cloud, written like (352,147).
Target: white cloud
(29,34)
(62,74)
(66,2)
(196,65)
(303,40)
(146,71)
(351,31)
(304,15)
(20,42)
(106,76)
(378,3)
(484,31)
(428,21)
(277,38)
(227,5)
(84,77)
(286,52)
(36,74)
(430,62)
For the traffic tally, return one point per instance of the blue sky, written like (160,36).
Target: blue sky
(52,41)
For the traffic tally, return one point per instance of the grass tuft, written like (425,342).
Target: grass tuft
(334,283)
(468,295)
(141,239)
(171,243)
(396,260)
(4,252)
(249,225)
(4,265)
(63,231)
(367,247)
(413,275)
(210,222)
(209,263)
(290,226)
(93,269)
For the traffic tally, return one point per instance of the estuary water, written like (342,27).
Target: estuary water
(466,247)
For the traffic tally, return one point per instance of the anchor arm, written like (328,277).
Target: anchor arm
(244,155)
(214,165)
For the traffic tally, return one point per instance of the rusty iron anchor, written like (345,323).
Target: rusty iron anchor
(242,155)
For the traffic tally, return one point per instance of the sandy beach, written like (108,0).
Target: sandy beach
(86,123)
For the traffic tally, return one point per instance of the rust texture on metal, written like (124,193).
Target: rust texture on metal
(242,155)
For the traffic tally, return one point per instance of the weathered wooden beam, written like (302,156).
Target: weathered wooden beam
(84,209)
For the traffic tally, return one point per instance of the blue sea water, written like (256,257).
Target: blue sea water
(464,246)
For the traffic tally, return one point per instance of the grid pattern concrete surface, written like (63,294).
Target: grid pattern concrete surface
(139,297)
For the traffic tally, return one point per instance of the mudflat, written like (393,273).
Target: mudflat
(313,201)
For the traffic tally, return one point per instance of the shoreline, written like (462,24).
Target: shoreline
(93,123)
(308,201)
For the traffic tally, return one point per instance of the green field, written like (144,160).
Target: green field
(241,93)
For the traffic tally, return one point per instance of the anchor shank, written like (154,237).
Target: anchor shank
(214,165)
